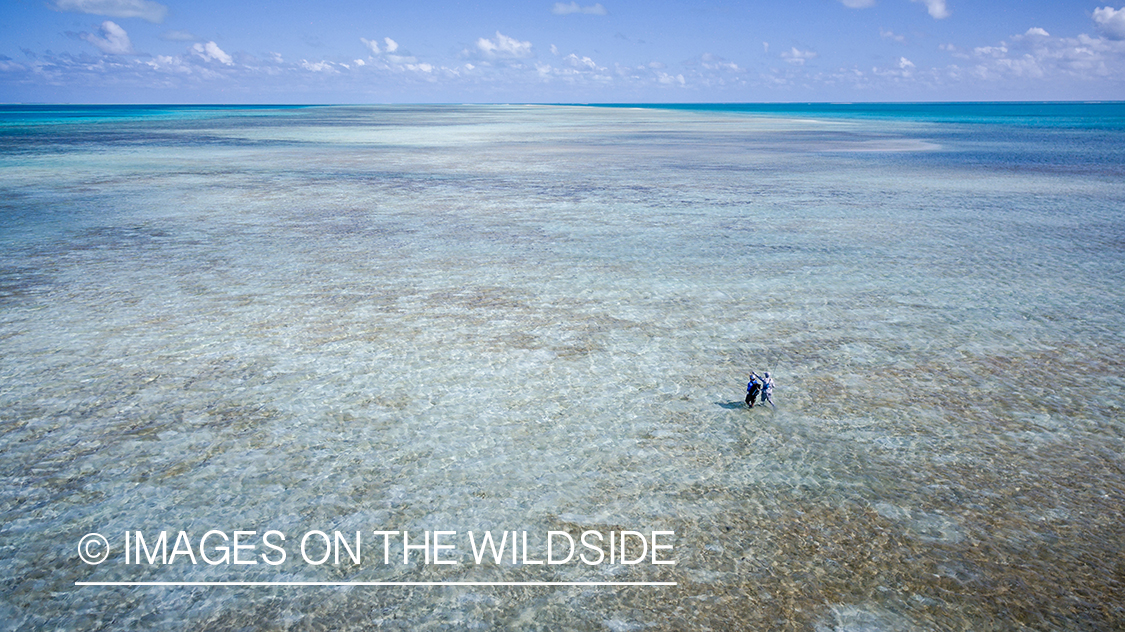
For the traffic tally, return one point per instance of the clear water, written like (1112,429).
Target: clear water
(542,318)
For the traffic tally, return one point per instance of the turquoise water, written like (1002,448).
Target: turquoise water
(533,318)
(1108,115)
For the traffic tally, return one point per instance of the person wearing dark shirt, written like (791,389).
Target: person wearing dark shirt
(752,389)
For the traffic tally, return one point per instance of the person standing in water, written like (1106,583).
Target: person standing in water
(752,389)
(767,389)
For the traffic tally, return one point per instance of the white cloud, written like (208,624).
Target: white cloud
(1111,22)
(320,66)
(714,62)
(903,69)
(504,47)
(580,62)
(389,46)
(166,64)
(936,8)
(575,70)
(114,40)
(384,59)
(144,9)
(211,52)
(372,45)
(995,52)
(391,61)
(798,57)
(567,9)
(858,4)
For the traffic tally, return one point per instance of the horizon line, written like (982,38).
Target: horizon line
(562,103)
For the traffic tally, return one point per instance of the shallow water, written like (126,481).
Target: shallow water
(541,318)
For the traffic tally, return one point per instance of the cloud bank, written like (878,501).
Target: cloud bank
(1036,64)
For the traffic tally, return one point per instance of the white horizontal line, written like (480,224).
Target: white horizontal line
(376,584)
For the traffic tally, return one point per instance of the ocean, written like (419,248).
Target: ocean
(282,368)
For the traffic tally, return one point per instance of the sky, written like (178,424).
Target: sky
(532,51)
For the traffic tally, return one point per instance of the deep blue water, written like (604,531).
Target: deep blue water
(1108,115)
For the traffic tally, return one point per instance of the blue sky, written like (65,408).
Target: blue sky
(339,51)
